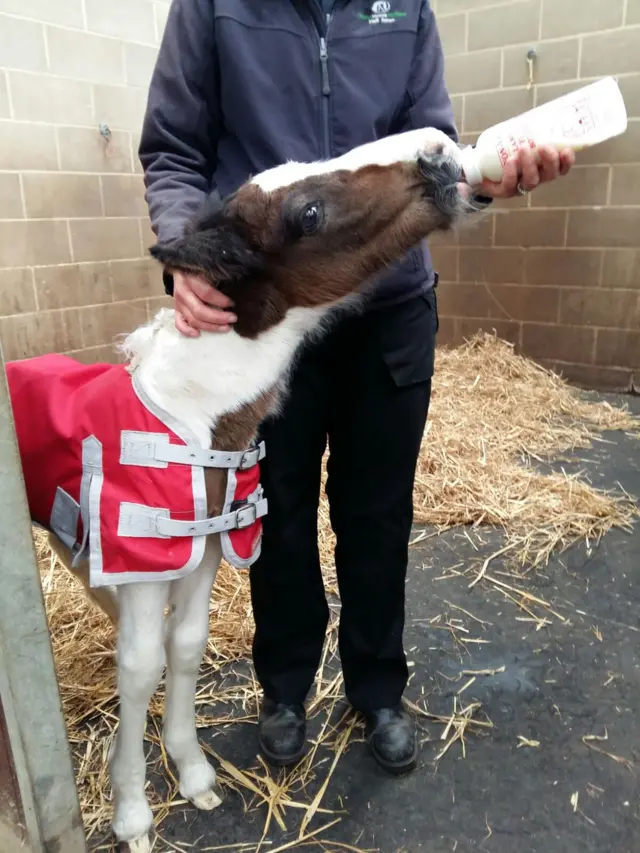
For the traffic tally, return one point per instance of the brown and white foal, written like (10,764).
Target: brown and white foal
(287,247)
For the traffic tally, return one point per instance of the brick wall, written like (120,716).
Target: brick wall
(73,221)
(557,273)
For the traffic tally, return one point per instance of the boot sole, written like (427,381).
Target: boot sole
(282,760)
(399,768)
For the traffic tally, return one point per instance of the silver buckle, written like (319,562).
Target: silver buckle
(241,520)
(249,458)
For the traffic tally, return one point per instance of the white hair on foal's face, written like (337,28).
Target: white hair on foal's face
(404,147)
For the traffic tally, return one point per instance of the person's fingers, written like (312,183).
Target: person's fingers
(528,169)
(206,292)
(509,180)
(219,324)
(189,325)
(199,314)
(549,165)
(567,161)
(206,319)
(500,189)
(183,326)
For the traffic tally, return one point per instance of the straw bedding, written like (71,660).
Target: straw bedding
(496,418)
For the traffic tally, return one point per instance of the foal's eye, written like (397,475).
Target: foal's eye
(311,218)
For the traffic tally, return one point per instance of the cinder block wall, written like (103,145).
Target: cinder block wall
(558,273)
(73,221)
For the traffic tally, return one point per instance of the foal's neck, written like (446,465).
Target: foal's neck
(200,380)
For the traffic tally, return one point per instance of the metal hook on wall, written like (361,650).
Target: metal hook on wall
(532,56)
(105,133)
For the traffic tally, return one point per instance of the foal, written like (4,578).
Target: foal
(287,247)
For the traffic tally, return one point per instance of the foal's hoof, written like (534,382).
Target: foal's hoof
(133,826)
(140,845)
(197,784)
(207,801)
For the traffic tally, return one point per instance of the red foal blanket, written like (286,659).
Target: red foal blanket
(121,482)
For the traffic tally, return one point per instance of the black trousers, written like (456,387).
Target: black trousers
(364,387)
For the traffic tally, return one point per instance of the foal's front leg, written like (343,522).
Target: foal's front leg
(187,631)
(140,665)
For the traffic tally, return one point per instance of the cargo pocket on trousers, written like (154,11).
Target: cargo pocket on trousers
(408,337)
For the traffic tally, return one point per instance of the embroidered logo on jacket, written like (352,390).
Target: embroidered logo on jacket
(381,13)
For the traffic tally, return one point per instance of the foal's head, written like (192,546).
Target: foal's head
(308,236)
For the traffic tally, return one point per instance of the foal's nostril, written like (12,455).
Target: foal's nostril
(425,164)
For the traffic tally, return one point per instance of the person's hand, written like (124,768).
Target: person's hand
(526,172)
(199,306)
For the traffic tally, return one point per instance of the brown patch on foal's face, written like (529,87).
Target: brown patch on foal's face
(316,241)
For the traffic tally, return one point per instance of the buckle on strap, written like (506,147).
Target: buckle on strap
(251,457)
(163,452)
(138,520)
(246,515)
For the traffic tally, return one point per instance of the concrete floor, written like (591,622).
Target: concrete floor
(561,683)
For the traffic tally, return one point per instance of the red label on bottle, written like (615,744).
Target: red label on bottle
(508,145)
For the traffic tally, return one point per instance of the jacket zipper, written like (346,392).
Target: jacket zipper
(326,89)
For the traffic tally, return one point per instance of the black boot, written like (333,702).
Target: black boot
(391,733)
(281,732)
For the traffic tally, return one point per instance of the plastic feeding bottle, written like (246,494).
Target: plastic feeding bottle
(579,120)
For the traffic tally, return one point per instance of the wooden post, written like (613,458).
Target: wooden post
(39,806)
